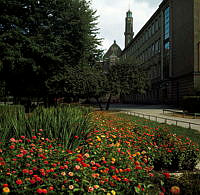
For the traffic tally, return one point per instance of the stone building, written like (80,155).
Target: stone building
(111,56)
(168,50)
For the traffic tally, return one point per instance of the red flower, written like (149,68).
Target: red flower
(39,191)
(5,185)
(12,147)
(128,169)
(32,181)
(34,137)
(97,164)
(125,179)
(167,175)
(94,168)
(51,188)
(38,179)
(112,167)
(138,167)
(78,160)
(25,171)
(76,137)
(19,182)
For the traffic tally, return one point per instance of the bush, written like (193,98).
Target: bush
(191,104)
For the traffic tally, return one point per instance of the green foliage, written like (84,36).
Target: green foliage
(39,40)
(125,78)
(83,82)
(62,123)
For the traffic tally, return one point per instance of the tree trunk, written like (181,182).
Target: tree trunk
(99,103)
(108,102)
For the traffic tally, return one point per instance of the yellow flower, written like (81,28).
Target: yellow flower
(103,158)
(6,189)
(96,186)
(117,144)
(113,159)
(98,138)
(137,153)
(113,192)
(103,136)
(108,193)
(63,173)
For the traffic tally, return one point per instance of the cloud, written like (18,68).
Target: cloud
(112,18)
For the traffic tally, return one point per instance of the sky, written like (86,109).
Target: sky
(112,13)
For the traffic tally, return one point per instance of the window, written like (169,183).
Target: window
(149,32)
(166,23)
(156,47)
(156,25)
(153,49)
(153,28)
(167,45)
(159,43)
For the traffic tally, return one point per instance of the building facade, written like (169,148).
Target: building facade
(168,50)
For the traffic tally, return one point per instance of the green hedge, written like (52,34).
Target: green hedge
(191,104)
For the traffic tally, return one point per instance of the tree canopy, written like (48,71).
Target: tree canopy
(41,41)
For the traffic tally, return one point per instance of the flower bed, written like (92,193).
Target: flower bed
(116,157)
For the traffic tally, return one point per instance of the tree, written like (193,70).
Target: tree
(79,82)
(125,78)
(41,40)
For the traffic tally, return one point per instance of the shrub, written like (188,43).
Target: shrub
(191,104)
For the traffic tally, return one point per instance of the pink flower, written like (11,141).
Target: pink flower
(12,140)
(77,167)
(90,189)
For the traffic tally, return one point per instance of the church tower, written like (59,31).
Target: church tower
(128,27)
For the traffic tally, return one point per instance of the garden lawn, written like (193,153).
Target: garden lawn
(117,157)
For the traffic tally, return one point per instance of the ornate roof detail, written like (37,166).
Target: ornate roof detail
(114,50)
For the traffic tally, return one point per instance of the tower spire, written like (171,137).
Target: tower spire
(128,27)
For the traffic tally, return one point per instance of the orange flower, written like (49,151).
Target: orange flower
(71,174)
(175,190)
(95,175)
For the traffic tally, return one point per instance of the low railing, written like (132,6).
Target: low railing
(164,120)
(182,113)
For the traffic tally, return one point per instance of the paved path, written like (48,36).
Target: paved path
(157,111)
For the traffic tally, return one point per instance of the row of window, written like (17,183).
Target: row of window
(152,50)
(166,22)
(148,33)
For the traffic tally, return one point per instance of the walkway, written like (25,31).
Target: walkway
(156,111)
